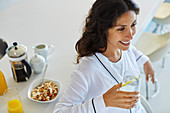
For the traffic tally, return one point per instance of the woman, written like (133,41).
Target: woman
(104,54)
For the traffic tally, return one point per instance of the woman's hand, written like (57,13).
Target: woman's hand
(148,68)
(122,99)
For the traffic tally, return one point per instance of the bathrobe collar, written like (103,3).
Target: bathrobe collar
(108,65)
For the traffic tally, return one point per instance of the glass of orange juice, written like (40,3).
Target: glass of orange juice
(13,101)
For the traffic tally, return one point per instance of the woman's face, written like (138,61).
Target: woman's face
(120,35)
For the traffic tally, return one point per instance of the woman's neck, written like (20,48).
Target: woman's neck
(113,55)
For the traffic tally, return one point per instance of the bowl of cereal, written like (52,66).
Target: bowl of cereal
(44,93)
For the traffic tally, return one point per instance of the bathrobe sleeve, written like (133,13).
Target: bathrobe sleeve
(141,59)
(73,99)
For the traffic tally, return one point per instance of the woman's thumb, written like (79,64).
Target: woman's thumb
(117,86)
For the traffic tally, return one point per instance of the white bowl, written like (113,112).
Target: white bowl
(35,83)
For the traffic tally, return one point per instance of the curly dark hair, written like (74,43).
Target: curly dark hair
(102,16)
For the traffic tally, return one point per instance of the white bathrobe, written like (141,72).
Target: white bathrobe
(90,80)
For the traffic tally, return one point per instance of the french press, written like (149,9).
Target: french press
(18,59)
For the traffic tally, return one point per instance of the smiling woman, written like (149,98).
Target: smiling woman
(120,35)
(101,21)
(104,55)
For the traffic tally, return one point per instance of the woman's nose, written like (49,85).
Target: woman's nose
(130,34)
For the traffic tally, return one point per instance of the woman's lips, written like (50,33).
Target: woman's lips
(125,43)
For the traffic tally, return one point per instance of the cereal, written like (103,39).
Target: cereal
(45,92)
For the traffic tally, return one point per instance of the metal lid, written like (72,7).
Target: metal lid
(16,50)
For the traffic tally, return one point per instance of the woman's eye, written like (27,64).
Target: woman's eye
(121,29)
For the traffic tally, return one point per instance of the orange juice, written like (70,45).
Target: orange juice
(14,106)
(3,85)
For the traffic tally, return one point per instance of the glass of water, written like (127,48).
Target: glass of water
(131,81)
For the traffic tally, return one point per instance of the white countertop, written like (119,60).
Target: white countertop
(52,22)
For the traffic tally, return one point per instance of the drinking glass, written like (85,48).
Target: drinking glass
(13,101)
(131,81)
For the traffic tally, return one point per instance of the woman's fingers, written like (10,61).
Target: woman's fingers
(128,94)
(148,68)
(123,99)
(126,105)
(147,77)
(152,77)
(128,99)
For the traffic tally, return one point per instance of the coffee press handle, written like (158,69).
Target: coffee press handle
(28,67)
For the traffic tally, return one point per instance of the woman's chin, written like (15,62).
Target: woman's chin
(124,48)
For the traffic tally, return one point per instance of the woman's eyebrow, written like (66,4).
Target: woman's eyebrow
(125,25)
(121,25)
